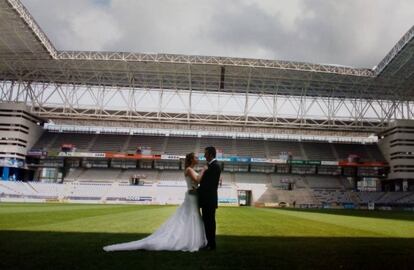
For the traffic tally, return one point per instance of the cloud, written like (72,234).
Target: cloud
(353,32)
(76,24)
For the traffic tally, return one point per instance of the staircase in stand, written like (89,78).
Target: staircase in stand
(92,142)
(302,151)
(164,145)
(126,144)
(334,151)
(197,146)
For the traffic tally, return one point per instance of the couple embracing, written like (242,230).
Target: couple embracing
(186,229)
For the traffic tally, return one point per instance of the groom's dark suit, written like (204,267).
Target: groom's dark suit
(207,200)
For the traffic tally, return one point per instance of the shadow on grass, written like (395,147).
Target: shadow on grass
(61,250)
(396,215)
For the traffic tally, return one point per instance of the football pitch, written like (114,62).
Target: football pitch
(71,236)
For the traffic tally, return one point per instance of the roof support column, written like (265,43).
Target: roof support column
(190,94)
(275,107)
(246,104)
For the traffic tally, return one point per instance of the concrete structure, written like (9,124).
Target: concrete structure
(397,145)
(19,130)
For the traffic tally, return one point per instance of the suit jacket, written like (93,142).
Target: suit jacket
(207,191)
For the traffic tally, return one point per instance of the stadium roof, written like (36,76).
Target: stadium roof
(28,55)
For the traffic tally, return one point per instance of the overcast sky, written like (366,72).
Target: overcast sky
(355,33)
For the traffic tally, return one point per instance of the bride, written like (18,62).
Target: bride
(184,230)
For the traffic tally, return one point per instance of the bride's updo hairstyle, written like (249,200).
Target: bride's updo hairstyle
(189,159)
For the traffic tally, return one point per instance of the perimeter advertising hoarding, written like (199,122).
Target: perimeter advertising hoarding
(304,162)
(268,160)
(362,164)
(330,163)
(260,160)
(81,154)
(131,156)
(229,159)
(107,155)
(222,159)
(171,157)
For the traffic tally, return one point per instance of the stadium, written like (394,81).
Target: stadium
(316,159)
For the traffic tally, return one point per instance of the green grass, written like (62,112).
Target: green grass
(71,236)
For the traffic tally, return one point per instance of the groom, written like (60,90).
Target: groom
(207,196)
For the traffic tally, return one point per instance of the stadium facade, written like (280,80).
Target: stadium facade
(287,131)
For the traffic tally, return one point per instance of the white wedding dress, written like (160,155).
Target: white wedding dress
(184,230)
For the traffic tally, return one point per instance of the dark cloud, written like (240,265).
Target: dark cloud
(352,32)
(336,32)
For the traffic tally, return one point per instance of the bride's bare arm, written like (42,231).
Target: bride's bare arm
(193,175)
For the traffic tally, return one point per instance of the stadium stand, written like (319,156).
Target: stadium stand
(275,148)
(172,176)
(46,140)
(367,197)
(225,145)
(148,176)
(318,151)
(156,143)
(256,178)
(88,191)
(227,178)
(74,174)
(325,196)
(109,175)
(344,150)
(374,152)
(54,141)
(299,197)
(165,183)
(391,197)
(172,192)
(108,143)
(324,182)
(255,148)
(183,145)
(47,190)
(99,175)
(406,198)
(282,181)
